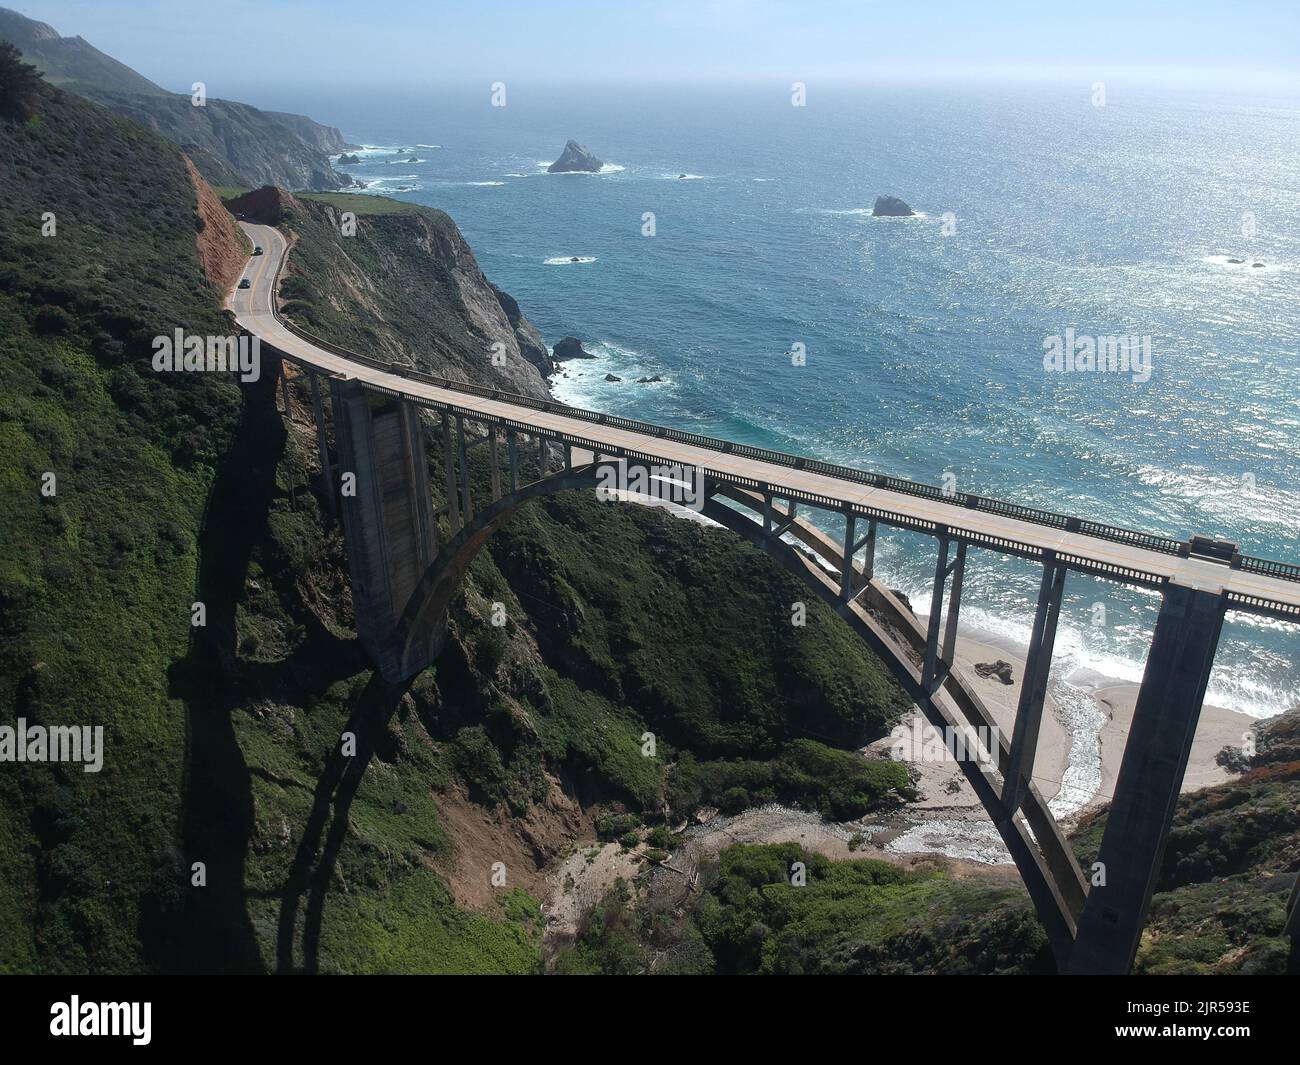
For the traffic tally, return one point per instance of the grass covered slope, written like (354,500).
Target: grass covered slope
(96,581)
(689,629)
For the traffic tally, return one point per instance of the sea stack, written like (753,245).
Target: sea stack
(570,348)
(891,207)
(575,159)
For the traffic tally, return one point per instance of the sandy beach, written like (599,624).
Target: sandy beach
(1095,758)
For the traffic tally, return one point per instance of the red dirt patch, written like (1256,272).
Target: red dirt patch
(222,250)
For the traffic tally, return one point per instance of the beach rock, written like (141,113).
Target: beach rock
(1237,261)
(570,348)
(891,207)
(1254,265)
(575,159)
(648,380)
(531,345)
(902,598)
(611,377)
(999,669)
(348,159)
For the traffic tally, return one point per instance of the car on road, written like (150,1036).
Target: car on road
(257,250)
(245,283)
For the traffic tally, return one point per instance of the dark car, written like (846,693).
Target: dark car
(257,250)
(245,283)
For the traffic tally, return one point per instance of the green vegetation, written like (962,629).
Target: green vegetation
(221,744)
(96,581)
(362,204)
(1220,901)
(854,917)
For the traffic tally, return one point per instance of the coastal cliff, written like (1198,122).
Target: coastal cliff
(231,143)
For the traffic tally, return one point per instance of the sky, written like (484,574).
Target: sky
(1251,43)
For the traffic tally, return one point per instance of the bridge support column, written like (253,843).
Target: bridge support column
(467,505)
(512,447)
(318,411)
(869,559)
(1150,776)
(1033,685)
(846,569)
(449,478)
(494,460)
(936,665)
(388,522)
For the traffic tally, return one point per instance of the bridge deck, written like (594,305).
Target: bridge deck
(254,310)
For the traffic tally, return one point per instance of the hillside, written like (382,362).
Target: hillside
(231,143)
(1219,906)
(222,741)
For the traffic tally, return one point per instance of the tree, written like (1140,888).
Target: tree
(18,81)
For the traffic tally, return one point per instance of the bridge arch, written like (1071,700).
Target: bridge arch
(1037,846)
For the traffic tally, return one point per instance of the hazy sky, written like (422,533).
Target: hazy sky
(342,42)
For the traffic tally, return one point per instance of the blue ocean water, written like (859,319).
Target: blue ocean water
(924,341)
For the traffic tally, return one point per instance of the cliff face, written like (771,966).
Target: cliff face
(223,249)
(230,143)
(406,287)
(261,147)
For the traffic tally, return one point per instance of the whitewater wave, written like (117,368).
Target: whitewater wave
(583,383)
(567,260)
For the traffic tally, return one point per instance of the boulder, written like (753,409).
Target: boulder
(648,380)
(570,348)
(348,159)
(999,669)
(575,159)
(611,377)
(891,207)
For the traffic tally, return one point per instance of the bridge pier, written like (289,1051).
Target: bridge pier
(322,445)
(938,664)
(512,447)
(467,505)
(1033,684)
(388,522)
(1150,776)
(449,476)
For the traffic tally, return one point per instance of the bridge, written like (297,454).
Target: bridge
(389,419)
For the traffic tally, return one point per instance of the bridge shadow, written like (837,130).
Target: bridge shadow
(212,931)
(327,825)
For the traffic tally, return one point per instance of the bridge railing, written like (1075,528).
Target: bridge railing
(1116,534)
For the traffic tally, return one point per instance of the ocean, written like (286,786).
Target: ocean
(923,338)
